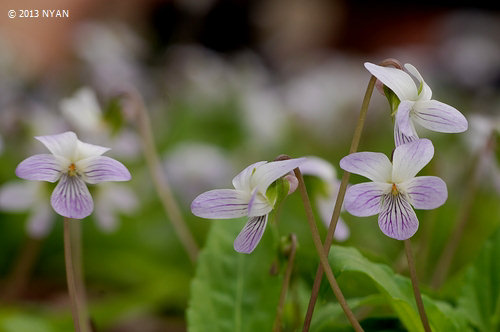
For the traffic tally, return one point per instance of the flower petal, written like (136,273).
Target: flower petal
(437,116)
(342,232)
(426,192)
(410,158)
(99,169)
(373,165)
(426,92)
(258,205)
(363,199)
(268,173)
(403,117)
(18,196)
(86,150)
(40,222)
(251,234)
(40,167)
(63,145)
(71,198)
(395,79)
(318,167)
(242,180)
(397,218)
(400,138)
(221,204)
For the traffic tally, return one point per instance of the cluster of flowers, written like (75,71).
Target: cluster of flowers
(395,187)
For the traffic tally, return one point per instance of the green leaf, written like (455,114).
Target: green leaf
(480,296)
(233,292)
(398,292)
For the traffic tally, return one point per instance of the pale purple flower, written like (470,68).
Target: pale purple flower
(416,105)
(325,199)
(73,163)
(249,198)
(394,189)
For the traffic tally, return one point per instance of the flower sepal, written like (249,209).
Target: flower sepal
(393,100)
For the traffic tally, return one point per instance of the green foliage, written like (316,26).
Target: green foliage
(233,292)
(398,292)
(480,296)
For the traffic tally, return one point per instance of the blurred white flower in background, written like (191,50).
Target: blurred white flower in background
(112,52)
(325,199)
(32,197)
(84,114)
(112,199)
(319,95)
(479,141)
(196,167)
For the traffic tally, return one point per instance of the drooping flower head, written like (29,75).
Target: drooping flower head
(253,196)
(73,163)
(394,189)
(326,198)
(414,104)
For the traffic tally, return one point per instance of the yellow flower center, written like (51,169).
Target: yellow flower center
(72,170)
(395,190)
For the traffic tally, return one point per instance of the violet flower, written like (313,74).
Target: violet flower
(250,197)
(415,104)
(73,163)
(394,189)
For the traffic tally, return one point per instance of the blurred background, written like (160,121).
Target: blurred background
(227,83)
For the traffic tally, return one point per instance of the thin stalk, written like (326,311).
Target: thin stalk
(77,252)
(80,320)
(286,283)
(343,187)
(160,180)
(416,290)
(322,255)
(450,249)
(20,274)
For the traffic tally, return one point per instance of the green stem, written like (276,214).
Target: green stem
(286,282)
(322,255)
(160,180)
(416,290)
(80,319)
(450,249)
(343,187)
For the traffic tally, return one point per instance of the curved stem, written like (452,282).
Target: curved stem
(160,180)
(416,290)
(286,282)
(80,319)
(343,187)
(450,249)
(322,255)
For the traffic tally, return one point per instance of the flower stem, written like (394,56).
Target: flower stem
(416,290)
(450,249)
(322,255)
(160,180)
(343,187)
(20,274)
(286,282)
(80,319)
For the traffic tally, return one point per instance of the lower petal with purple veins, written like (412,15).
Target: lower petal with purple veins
(397,218)
(71,198)
(251,234)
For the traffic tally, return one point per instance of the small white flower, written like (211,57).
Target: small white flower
(249,198)
(416,105)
